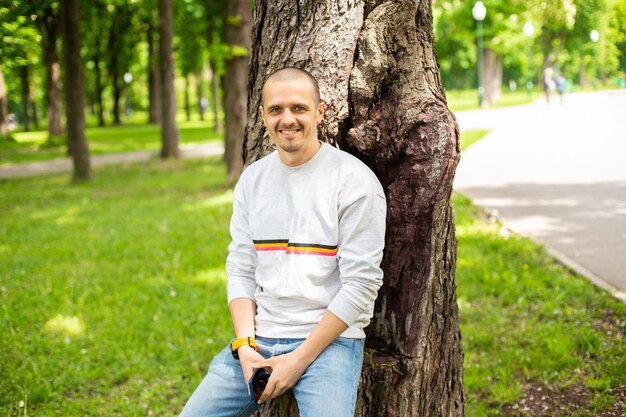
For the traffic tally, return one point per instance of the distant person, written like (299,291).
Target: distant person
(548,83)
(560,85)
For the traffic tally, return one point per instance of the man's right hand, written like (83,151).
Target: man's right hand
(248,356)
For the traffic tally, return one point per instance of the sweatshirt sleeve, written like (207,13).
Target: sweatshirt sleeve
(242,258)
(361,243)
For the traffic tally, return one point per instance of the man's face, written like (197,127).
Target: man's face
(291,116)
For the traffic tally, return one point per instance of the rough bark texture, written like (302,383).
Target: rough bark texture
(493,76)
(238,25)
(169,131)
(154,79)
(4,111)
(74,95)
(379,78)
(53,73)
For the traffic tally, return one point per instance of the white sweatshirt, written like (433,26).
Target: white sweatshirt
(306,239)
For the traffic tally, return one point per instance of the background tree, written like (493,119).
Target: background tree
(191,23)
(169,132)
(386,105)
(74,94)
(120,49)
(237,33)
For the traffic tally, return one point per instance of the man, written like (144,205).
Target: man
(303,267)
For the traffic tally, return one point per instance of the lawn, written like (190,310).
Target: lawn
(34,146)
(113,300)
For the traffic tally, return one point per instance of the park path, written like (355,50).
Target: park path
(190,150)
(556,172)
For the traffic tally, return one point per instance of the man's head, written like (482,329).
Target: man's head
(291,110)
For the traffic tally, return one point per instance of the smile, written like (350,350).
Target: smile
(289,131)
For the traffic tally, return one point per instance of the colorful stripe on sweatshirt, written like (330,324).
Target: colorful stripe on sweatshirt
(291,248)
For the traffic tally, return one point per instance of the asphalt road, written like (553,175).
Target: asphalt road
(557,173)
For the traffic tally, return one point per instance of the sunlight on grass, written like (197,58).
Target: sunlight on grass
(222,199)
(210,276)
(65,325)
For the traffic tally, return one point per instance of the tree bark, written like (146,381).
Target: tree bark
(25,97)
(53,73)
(74,93)
(154,79)
(33,105)
(379,78)
(493,76)
(237,34)
(4,108)
(169,132)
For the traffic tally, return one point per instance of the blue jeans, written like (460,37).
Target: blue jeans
(327,388)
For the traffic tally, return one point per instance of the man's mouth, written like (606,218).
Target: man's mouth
(288,131)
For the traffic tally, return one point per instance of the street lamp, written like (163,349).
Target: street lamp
(479,11)
(595,37)
(529,29)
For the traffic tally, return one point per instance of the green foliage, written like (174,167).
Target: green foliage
(560,39)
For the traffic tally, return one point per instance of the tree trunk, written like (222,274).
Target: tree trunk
(187,100)
(379,78)
(154,79)
(237,34)
(582,77)
(117,95)
(217,124)
(53,74)
(25,97)
(199,93)
(99,86)
(4,108)
(74,94)
(169,132)
(493,76)
(33,105)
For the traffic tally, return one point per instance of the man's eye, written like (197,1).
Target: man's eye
(299,108)
(274,110)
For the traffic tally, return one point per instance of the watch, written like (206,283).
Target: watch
(244,341)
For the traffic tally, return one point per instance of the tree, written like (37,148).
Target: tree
(237,33)
(74,95)
(4,112)
(49,29)
(169,132)
(386,105)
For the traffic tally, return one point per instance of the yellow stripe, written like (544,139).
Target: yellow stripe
(310,249)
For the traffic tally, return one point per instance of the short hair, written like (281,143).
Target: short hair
(293,73)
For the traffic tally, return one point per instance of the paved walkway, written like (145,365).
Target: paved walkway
(557,173)
(191,150)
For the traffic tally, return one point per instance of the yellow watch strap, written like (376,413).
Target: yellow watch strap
(244,341)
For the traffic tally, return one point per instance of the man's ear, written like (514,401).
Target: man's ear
(321,109)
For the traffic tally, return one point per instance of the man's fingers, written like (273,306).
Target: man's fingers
(268,392)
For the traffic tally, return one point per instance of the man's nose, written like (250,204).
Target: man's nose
(288,117)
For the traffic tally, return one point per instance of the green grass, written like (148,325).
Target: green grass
(459,100)
(113,298)
(34,146)
(469,137)
(526,320)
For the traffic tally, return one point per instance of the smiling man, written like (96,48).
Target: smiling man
(303,267)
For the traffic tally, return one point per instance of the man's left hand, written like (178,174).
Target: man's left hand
(286,371)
